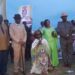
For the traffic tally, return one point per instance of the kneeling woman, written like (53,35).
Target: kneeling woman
(40,55)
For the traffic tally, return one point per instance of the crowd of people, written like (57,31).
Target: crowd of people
(41,46)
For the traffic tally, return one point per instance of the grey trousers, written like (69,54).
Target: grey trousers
(67,50)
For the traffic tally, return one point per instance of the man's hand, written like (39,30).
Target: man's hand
(40,42)
(21,42)
(67,36)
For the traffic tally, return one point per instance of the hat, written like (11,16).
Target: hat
(17,16)
(64,14)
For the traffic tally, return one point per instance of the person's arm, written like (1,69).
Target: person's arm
(33,55)
(71,33)
(58,29)
(60,32)
(12,34)
(33,48)
(34,44)
(25,35)
(71,29)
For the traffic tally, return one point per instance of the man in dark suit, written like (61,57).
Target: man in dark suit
(64,29)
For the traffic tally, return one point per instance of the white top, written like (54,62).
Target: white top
(44,42)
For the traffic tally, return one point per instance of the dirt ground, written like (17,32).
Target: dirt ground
(60,70)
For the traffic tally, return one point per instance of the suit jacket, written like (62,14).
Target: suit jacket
(64,29)
(18,32)
(4,38)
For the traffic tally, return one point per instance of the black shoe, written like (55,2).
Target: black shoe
(67,65)
(73,53)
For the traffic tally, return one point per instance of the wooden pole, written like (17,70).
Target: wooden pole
(3,8)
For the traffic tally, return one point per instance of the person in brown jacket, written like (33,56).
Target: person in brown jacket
(4,43)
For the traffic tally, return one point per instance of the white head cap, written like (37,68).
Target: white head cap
(64,14)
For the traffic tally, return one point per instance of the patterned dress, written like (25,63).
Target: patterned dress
(39,59)
(50,35)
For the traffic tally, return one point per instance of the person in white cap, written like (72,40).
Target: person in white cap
(64,29)
(19,36)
